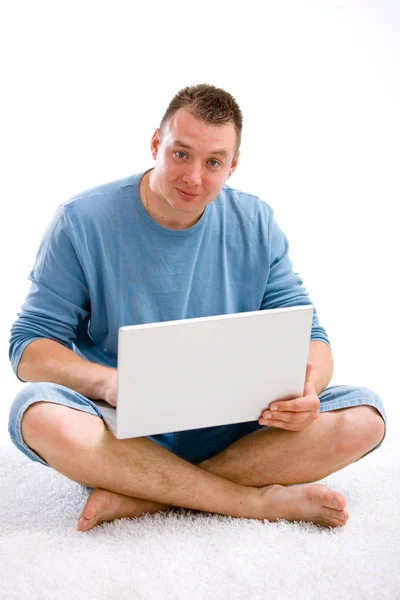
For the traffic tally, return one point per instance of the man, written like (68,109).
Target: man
(176,242)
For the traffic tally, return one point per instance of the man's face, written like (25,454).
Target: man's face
(193,157)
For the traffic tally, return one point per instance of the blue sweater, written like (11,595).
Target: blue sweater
(104,263)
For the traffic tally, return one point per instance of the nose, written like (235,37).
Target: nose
(192,175)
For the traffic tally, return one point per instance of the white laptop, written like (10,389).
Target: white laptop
(207,371)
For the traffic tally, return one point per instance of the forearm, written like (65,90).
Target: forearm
(47,360)
(320,356)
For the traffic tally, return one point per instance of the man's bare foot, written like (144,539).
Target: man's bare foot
(310,502)
(103,505)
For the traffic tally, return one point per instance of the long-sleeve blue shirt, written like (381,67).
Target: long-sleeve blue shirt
(104,263)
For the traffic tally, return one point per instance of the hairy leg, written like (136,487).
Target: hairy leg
(79,446)
(270,456)
(335,440)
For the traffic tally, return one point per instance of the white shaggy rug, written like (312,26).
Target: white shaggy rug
(192,555)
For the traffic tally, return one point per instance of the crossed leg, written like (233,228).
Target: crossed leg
(267,457)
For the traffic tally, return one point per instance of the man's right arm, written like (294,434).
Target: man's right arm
(47,360)
(57,303)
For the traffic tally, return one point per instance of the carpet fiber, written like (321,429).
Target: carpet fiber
(193,555)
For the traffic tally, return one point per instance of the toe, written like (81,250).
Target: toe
(333,500)
(334,523)
(90,512)
(89,515)
(84,524)
(334,518)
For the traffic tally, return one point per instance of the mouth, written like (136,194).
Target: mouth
(186,195)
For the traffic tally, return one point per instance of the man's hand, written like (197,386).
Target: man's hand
(295,414)
(109,387)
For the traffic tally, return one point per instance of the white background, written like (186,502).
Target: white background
(84,85)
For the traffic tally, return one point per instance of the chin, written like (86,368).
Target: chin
(189,209)
(175,201)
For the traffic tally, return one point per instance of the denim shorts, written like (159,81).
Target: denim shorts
(194,445)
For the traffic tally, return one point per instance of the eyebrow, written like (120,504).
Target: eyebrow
(183,145)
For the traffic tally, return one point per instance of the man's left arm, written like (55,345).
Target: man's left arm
(284,289)
(320,356)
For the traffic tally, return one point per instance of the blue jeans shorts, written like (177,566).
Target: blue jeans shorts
(194,445)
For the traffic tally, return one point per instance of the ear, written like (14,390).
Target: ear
(234,164)
(155,143)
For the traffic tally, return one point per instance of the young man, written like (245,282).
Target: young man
(172,243)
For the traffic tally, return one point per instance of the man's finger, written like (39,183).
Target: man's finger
(308,375)
(285,425)
(303,404)
(290,417)
(309,384)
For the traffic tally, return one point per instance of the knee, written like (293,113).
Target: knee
(58,426)
(45,421)
(361,429)
(28,403)
(35,422)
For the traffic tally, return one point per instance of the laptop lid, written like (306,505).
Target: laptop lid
(207,371)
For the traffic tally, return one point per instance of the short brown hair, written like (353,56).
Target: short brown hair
(208,103)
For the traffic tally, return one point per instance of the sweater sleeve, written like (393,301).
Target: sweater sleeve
(58,299)
(285,287)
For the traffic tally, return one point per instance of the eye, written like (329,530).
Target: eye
(214,161)
(180,152)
